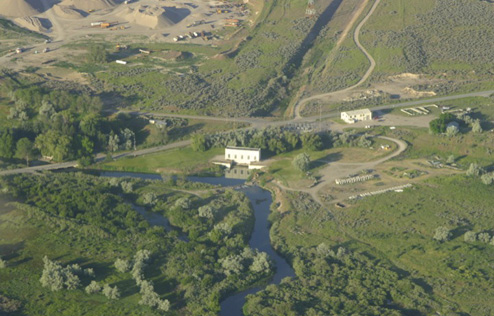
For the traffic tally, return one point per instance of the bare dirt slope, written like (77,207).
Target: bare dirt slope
(87,5)
(18,8)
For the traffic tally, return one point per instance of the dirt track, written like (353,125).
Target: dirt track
(300,104)
(335,170)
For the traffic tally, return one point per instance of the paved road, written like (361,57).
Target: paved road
(255,123)
(99,157)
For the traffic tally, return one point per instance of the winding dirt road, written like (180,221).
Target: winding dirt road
(300,104)
(336,170)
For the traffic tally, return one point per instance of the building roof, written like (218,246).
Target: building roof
(244,148)
(357,112)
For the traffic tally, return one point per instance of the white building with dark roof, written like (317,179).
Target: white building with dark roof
(242,155)
(357,115)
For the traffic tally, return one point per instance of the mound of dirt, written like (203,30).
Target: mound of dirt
(154,17)
(33,23)
(418,94)
(406,75)
(87,5)
(18,8)
(67,12)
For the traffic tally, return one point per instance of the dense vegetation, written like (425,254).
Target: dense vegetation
(94,222)
(61,124)
(275,141)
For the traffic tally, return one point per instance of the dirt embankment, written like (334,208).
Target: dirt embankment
(19,8)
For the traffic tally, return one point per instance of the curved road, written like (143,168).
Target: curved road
(300,104)
(255,123)
(336,170)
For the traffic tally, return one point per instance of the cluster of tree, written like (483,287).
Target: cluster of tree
(442,234)
(483,237)
(112,293)
(301,162)
(339,282)
(56,277)
(8,305)
(60,125)
(474,170)
(81,197)
(271,140)
(214,262)
(439,125)
(148,296)
(274,141)
(475,124)
(255,261)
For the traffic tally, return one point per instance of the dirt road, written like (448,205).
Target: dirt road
(300,104)
(336,170)
(257,123)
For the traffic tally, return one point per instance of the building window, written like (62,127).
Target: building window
(228,156)
(235,156)
(248,157)
(242,157)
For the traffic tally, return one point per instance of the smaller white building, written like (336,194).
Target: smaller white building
(357,115)
(243,155)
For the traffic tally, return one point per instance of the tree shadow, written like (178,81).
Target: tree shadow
(127,287)
(124,53)
(459,231)
(332,157)
(11,251)
(179,132)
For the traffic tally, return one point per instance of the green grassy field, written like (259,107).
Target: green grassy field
(170,161)
(24,243)
(99,234)
(406,36)
(467,147)
(400,227)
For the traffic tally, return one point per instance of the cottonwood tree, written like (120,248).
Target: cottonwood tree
(442,234)
(261,263)
(111,293)
(56,277)
(113,142)
(484,237)
(487,178)
(25,150)
(451,159)
(122,265)
(470,236)
(232,264)
(198,142)
(477,127)
(206,211)
(301,162)
(474,170)
(7,144)
(149,198)
(93,288)
(452,131)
